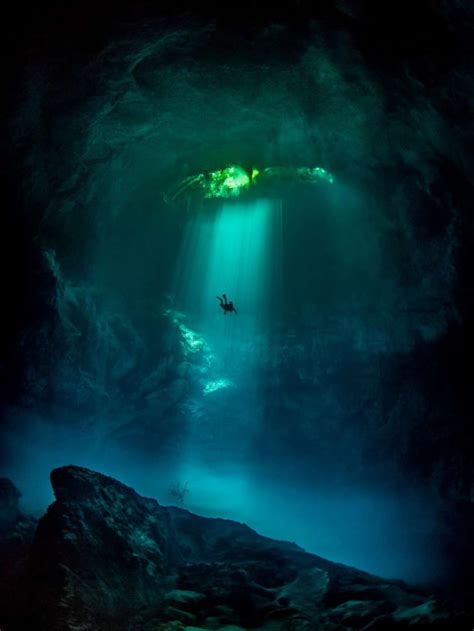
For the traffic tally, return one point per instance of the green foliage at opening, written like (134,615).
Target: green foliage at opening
(234,180)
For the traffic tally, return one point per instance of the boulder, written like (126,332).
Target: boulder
(100,555)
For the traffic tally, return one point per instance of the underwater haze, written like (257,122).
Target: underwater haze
(325,190)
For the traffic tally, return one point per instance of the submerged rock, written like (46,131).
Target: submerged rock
(103,557)
(100,555)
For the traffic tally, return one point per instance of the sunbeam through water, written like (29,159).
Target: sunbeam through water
(234,250)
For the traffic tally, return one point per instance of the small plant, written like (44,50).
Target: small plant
(179,491)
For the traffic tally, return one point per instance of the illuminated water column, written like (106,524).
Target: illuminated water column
(239,264)
(235,250)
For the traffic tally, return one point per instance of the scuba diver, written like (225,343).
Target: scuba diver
(228,307)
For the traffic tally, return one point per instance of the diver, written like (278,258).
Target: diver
(227,307)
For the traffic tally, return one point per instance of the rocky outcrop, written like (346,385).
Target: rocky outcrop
(104,557)
(101,554)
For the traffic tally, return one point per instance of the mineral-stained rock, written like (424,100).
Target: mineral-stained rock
(105,558)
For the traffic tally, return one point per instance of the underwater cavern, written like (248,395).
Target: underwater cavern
(237,256)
